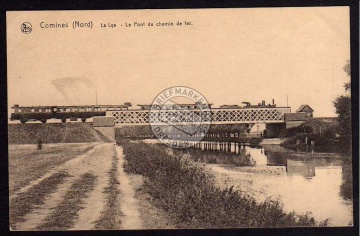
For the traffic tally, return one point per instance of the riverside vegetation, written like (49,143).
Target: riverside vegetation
(191,198)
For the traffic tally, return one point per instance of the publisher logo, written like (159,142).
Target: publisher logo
(26,28)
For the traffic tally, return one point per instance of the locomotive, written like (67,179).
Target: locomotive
(43,113)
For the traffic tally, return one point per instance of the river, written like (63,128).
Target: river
(303,180)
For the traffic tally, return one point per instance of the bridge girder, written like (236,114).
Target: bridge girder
(218,116)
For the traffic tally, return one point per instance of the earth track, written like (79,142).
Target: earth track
(67,165)
(129,204)
(95,193)
(36,217)
(97,162)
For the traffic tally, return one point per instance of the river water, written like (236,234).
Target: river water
(303,180)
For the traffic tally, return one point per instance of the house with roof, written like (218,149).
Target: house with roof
(305,112)
(306,109)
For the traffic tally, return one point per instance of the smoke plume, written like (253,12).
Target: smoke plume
(76,91)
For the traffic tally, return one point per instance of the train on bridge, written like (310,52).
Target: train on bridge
(73,113)
(123,114)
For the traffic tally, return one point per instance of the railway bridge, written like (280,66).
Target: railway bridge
(267,115)
(268,118)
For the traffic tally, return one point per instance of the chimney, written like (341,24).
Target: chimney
(273,101)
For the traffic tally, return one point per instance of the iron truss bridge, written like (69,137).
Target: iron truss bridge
(215,116)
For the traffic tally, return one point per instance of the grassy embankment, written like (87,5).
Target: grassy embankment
(190,197)
(53,133)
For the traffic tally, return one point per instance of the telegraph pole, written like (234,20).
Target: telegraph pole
(287,100)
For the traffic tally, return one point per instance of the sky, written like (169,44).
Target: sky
(228,55)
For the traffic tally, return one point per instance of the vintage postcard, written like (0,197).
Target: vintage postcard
(179,119)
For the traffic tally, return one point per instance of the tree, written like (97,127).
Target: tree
(343,109)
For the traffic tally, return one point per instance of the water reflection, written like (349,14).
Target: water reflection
(268,158)
(304,168)
(303,180)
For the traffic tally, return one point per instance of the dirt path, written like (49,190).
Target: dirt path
(73,163)
(96,161)
(99,165)
(105,162)
(36,217)
(129,204)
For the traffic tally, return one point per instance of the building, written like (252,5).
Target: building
(306,109)
(302,114)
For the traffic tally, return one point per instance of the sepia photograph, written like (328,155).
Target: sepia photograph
(221,118)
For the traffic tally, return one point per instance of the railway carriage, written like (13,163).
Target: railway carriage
(73,113)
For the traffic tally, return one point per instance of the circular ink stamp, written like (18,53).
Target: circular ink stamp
(180,117)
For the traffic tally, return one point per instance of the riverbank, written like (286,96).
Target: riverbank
(191,199)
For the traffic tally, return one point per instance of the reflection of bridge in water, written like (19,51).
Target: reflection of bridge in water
(258,159)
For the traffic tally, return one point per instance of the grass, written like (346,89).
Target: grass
(77,133)
(50,133)
(65,214)
(109,217)
(136,131)
(26,165)
(25,202)
(189,195)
